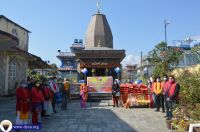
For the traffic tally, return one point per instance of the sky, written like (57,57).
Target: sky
(137,25)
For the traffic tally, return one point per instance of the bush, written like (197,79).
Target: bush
(188,108)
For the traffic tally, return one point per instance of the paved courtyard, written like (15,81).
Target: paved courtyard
(98,117)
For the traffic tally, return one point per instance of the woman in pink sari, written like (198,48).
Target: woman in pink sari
(83,95)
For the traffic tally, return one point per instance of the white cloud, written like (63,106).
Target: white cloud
(131,60)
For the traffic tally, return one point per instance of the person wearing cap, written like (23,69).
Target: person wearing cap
(22,103)
(37,100)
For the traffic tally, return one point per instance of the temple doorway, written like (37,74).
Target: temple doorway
(100,71)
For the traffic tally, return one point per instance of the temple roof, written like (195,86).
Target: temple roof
(2,16)
(99,48)
(100,53)
(98,33)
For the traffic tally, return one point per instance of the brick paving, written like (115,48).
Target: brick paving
(97,117)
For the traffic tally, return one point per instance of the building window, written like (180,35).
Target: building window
(14,31)
(68,63)
(12,68)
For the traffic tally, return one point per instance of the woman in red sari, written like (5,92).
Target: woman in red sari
(37,100)
(22,103)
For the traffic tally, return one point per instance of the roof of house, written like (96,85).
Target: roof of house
(33,60)
(2,16)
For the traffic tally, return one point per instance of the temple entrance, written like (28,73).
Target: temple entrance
(100,71)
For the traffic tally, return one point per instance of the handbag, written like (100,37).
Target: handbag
(113,93)
(117,94)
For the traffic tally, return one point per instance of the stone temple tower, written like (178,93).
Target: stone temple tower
(99,57)
(98,33)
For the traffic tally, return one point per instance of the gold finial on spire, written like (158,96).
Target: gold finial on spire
(98,6)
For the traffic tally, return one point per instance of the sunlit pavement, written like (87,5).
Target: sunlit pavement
(97,117)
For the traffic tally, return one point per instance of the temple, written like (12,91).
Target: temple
(97,54)
(99,57)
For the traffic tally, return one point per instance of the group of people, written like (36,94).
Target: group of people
(165,93)
(40,98)
(161,93)
(43,98)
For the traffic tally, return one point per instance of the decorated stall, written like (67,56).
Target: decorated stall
(135,95)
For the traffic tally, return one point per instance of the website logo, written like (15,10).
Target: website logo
(6,126)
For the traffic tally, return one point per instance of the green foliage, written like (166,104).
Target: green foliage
(159,70)
(144,79)
(54,70)
(196,48)
(36,76)
(190,93)
(162,56)
(196,51)
(188,109)
(158,53)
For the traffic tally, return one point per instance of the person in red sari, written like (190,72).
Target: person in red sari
(37,100)
(22,103)
(45,88)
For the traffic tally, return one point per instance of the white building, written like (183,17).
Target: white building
(14,60)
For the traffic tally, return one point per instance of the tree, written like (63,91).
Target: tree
(162,56)
(54,70)
(196,50)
